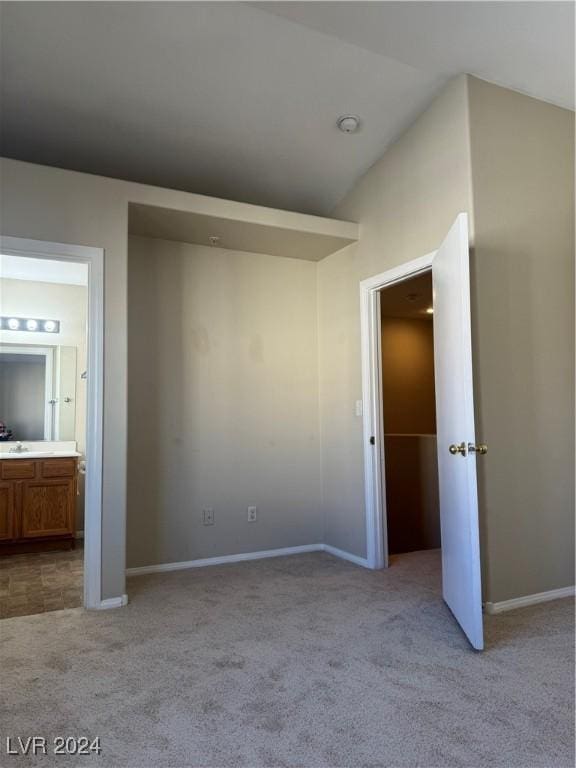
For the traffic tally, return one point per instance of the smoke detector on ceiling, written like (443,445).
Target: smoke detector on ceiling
(348,123)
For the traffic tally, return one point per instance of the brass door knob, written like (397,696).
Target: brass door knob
(454,449)
(479,448)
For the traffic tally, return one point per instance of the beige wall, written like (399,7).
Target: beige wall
(405,205)
(522,159)
(223,407)
(516,155)
(523,313)
(62,206)
(408,376)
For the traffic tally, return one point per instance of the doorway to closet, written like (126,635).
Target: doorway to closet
(457,448)
(409,416)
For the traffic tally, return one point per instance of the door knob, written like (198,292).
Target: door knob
(454,449)
(480,448)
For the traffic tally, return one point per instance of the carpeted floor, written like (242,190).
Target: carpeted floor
(299,661)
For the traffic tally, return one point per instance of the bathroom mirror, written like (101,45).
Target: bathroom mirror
(38,392)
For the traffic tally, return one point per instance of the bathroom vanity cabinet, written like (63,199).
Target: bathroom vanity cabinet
(37,503)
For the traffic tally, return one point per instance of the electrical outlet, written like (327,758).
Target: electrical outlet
(252,514)
(208,516)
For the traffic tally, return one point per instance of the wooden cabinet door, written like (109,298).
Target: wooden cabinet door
(6,511)
(47,508)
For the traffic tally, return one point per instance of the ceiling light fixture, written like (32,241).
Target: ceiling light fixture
(348,123)
(214,240)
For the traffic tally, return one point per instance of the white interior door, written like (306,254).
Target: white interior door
(457,450)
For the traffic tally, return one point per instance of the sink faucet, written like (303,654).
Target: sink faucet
(18,448)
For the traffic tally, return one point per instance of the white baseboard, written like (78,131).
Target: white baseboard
(260,555)
(522,602)
(223,560)
(345,555)
(112,602)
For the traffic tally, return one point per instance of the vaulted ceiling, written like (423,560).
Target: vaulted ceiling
(240,100)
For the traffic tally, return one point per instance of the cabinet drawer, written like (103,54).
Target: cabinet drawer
(58,468)
(18,469)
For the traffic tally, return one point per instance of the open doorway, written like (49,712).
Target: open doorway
(43,363)
(457,448)
(409,416)
(51,296)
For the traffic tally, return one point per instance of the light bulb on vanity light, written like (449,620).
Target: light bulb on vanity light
(13,323)
(49,326)
(32,325)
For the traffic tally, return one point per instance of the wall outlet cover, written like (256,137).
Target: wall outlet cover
(252,514)
(208,516)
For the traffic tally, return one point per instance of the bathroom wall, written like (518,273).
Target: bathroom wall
(223,407)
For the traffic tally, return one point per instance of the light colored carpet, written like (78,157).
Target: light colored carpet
(299,661)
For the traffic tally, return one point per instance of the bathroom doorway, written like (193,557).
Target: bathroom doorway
(50,426)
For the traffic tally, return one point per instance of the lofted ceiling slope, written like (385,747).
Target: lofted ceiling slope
(239,101)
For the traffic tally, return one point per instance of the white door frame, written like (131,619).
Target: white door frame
(94,258)
(374,480)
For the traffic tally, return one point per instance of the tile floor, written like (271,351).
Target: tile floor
(40,582)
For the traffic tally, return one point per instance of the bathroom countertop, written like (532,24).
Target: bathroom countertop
(38,455)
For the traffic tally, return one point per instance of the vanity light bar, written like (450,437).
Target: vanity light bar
(33,324)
